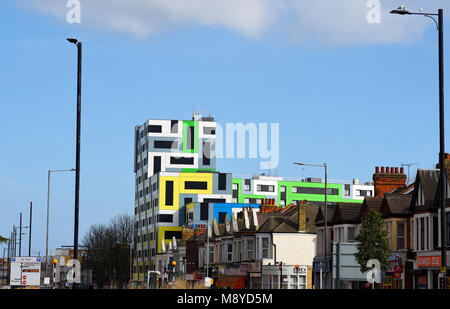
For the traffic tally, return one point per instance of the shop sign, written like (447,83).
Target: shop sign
(254,267)
(244,268)
(318,265)
(396,263)
(428,261)
(233,272)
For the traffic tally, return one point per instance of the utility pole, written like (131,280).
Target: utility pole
(78,139)
(20,236)
(442,177)
(29,240)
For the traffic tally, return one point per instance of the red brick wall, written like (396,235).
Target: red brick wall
(387,179)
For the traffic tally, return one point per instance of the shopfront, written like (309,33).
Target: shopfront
(426,272)
(284,277)
(394,277)
(254,273)
(232,277)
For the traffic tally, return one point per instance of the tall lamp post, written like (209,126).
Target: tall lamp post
(79,46)
(325,219)
(48,214)
(440,27)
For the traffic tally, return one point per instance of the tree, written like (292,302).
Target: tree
(372,242)
(108,247)
(3,240)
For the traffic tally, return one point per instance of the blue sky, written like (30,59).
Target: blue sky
(352,98)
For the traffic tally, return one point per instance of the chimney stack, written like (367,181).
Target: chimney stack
(302,218)
(388,180)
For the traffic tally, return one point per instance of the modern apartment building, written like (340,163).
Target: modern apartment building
(174,165)
(252,190)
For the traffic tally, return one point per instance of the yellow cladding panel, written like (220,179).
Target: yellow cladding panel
(201,177)
(176,193)
(161,233)
(189,207)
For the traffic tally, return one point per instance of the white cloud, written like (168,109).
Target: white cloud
(340,22)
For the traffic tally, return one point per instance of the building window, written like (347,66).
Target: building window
(364,192)
(350,234)
(206,153)
(211,255)
(182,160)
(165,145)
(389,234)
(436,232)
(222,217)
(265,188)
(222,181)
(229,252)
(195,185)
(174,126)
(169,193)
(165,218)
(204,211)
(171,234)
(209,130)
(240,251)
(156,164)
(154,129)
(250,249)
(247,185)
(347,190)
(265,248)
(190,138)
(313,190)
(422,233)
(400,235)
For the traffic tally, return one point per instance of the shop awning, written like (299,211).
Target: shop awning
(236,283)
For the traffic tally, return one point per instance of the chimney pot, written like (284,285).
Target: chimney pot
(396,170)
(377,170)
(382,170)
(402,170)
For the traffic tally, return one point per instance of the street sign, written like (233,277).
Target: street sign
(25,271)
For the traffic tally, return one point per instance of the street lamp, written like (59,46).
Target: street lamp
(79,46)
(325,215)
(48,213)
(440,26)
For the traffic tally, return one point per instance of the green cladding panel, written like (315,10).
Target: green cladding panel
(186,125)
